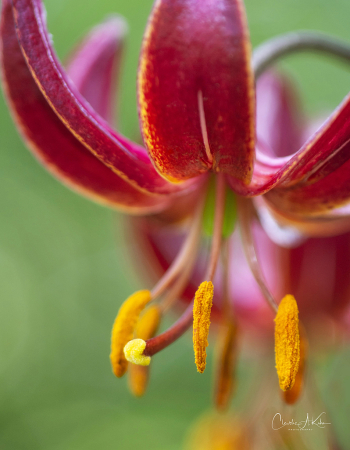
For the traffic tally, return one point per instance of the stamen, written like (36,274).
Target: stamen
(218,224)
(169,336)
(246,215)
(133,352)
(204,127)
(225,382)
(138,379)
(203,302)
(292,395)
(123,328)
(287,342)
(148,323)
(180,284)
(188,248)
(146,328)
(227,342)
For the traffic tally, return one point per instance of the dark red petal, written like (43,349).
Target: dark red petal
(318,275)
(127,159)
(329,193)
(318,171)
(95,65)
(196,56)
(51,142)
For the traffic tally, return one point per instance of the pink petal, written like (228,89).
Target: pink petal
(127,159)
(52,143)
(94,66)
(196,62)
(280,122)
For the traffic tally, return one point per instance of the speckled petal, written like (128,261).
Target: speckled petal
(128,160)
(196,89)
(52,143)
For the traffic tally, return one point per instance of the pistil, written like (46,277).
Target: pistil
(169,336)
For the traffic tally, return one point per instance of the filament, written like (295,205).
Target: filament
(246,212)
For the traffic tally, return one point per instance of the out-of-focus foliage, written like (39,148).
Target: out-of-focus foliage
(63,273)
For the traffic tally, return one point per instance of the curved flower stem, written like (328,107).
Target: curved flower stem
(188,248)
(158,343)
(273,49)
(245,214)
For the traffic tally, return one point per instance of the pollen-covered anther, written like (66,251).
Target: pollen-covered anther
(203,301)
(287,342)
(292,395)
(123,328)
(226,361)
(133,352)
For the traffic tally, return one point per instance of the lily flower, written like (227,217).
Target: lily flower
(196,100)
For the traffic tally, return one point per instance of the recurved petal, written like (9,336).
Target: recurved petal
(94,65)
(312,180)
(52,143)
(127,159)
(196,89)
(309,200)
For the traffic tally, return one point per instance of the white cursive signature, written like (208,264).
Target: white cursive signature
(278,423)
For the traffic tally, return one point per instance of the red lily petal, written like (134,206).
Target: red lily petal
(318,275)
(279,116)
(195,70)
(52,143)
(127,159)
(94,66)
(325,153)
(329,193)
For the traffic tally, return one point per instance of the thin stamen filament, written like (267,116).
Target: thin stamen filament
(169,336)
(218,225)
(180,284)
(188,248)
(246,215)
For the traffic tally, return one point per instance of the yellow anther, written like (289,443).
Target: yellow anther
(203,301)
(287,342)
(133,352)
(138,379)
(226,362)
(293,395)
(123,328)
(146,328)
(148,323)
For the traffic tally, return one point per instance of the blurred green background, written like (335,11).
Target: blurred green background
(64,269)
